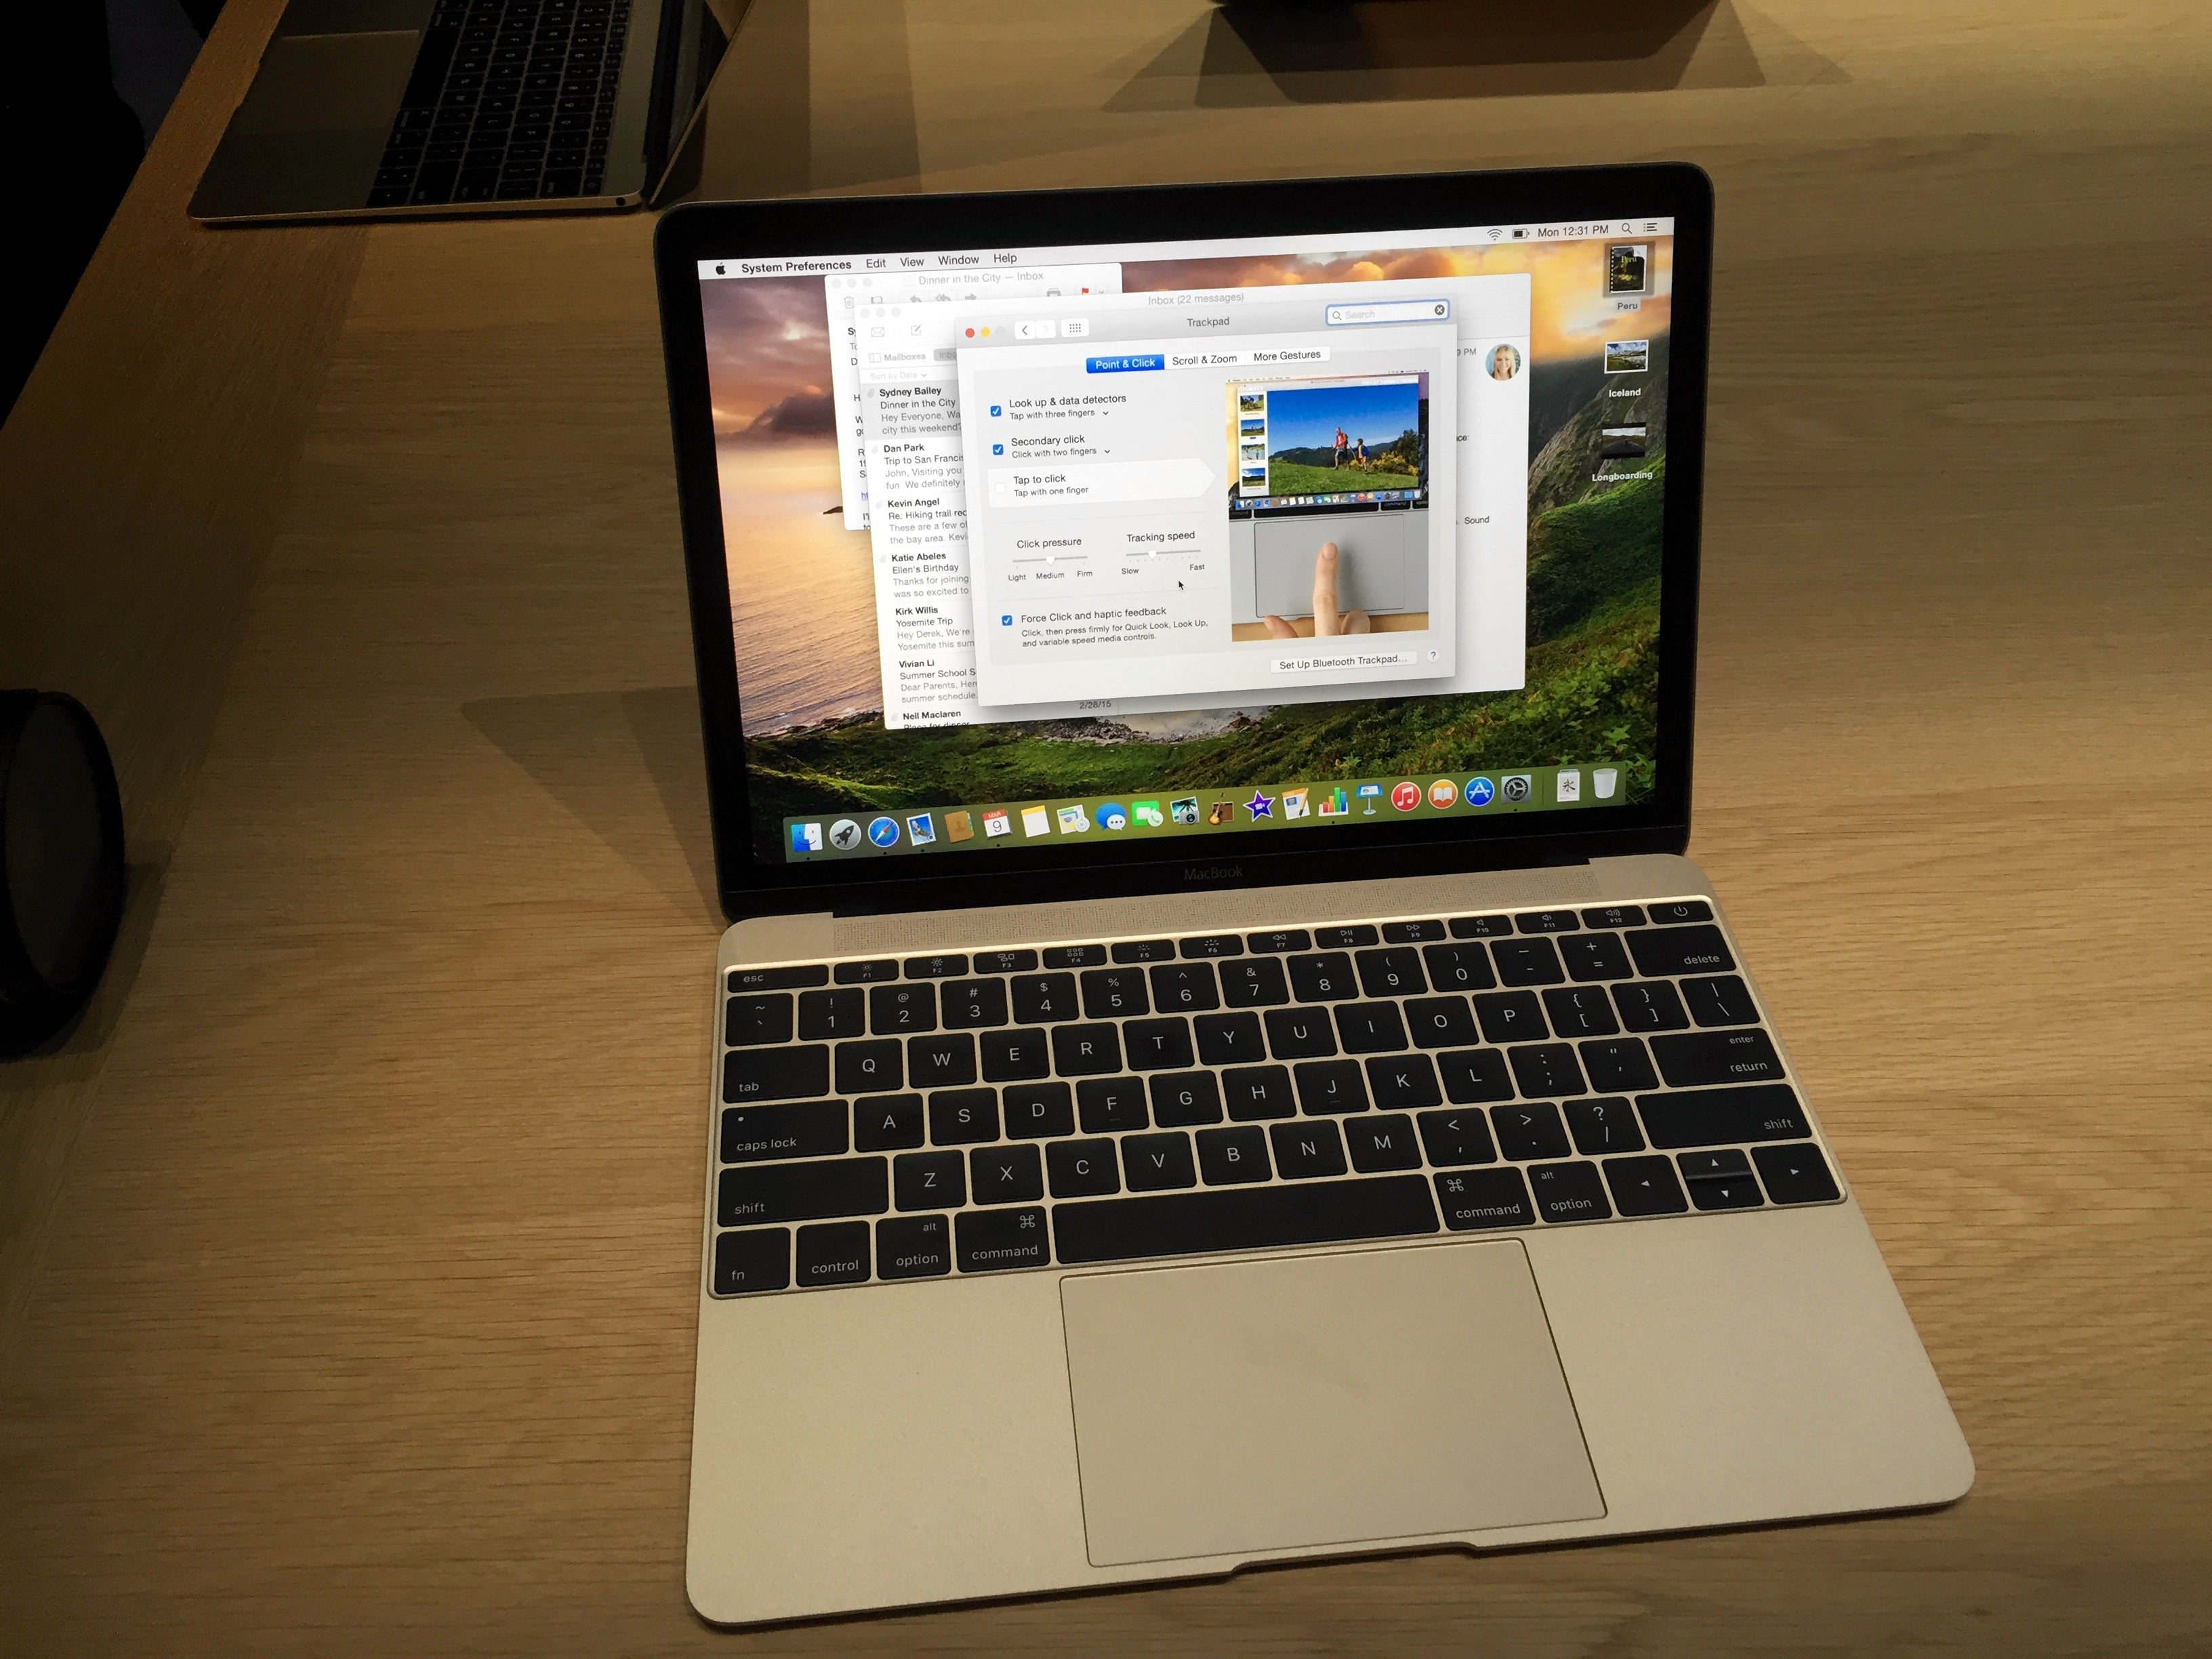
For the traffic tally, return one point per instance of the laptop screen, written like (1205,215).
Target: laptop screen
(1063,547)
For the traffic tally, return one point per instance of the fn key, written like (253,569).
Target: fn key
(756,1259)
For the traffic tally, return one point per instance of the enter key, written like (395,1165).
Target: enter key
(1701,1057)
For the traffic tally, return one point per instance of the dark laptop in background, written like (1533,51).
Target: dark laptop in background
(405,107)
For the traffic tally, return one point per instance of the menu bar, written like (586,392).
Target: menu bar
(974,259)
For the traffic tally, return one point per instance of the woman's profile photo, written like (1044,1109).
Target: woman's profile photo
(1505,362)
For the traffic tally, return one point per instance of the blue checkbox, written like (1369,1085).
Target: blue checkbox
(998,449)
(995,409)
(1005,621)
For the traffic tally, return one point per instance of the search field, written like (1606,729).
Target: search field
(1389,310)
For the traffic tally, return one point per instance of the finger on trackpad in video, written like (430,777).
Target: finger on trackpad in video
(1366,579)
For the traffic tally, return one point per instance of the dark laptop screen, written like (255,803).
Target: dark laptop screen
(1041,547)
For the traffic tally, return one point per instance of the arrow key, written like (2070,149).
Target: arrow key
(1795,1175)
(1725,1192)
(1644,1186)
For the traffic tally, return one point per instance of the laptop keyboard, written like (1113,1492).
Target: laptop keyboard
(510,100)
(1126,1100)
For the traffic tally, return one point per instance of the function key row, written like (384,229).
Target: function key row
(1213,946)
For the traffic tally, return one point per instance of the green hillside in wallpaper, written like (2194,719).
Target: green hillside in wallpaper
(1591,696)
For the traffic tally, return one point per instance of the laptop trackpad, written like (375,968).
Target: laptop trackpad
(1256,1407)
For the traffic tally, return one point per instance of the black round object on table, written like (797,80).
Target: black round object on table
(61,863)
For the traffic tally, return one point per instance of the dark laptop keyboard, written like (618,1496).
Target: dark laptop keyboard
(510,100)
(1115,1102)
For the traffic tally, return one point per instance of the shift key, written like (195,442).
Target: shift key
(1723,1117)
(757,1193)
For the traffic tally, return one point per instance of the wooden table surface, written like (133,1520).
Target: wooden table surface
(348,1251)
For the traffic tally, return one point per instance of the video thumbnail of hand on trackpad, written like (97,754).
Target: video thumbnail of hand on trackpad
(1311,477)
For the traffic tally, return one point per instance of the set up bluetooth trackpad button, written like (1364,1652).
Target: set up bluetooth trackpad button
(1254,1408)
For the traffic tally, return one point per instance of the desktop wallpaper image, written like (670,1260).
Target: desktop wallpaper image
(802,606)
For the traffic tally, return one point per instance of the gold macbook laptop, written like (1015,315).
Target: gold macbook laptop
(1219,1057)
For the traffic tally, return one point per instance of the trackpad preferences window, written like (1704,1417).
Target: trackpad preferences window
(1162,515)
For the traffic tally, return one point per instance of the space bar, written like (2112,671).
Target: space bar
(1241,1219)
